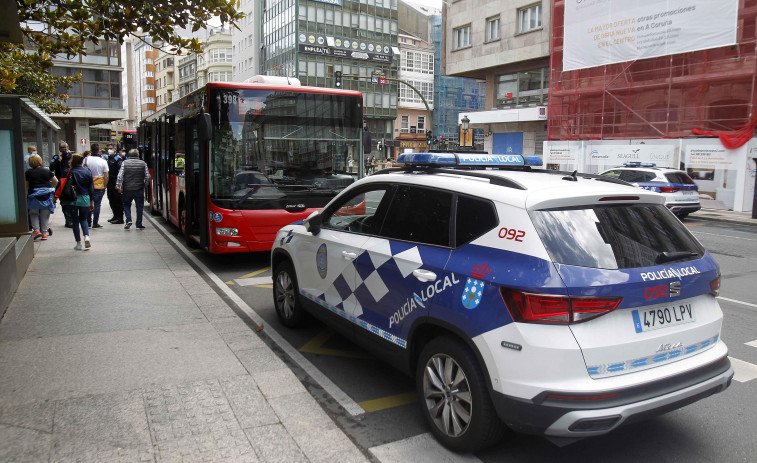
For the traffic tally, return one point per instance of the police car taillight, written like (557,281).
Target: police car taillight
(715,286)
(552,309)
(667,189)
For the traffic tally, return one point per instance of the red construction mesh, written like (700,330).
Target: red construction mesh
(709,92)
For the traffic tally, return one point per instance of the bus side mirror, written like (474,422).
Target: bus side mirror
(204,127)
(313,223)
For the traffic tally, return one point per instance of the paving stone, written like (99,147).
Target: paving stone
(37,415)
(301,414)
(67,449)
(277,383)
(218,446)
(249,406)
(23,445)
(329,446)
(243,340)
(208,299)
(187,410)
(195,285)
(230,325)
(217,312)
(116,419)
(260,359)
(273,444)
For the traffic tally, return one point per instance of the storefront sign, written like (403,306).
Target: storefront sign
(341,53)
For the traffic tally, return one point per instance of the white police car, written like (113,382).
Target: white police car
(680,192)
(557,304)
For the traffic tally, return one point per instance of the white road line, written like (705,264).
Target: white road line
(748,304)
(422,448)
(751,343)
(743,371)
(722,236)
(332,389)
(254,281)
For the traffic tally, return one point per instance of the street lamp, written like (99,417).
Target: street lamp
(465,125)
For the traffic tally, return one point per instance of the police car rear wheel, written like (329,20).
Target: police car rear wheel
(454,398)
(285,296)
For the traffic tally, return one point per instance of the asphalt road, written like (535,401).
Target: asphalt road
(721,428)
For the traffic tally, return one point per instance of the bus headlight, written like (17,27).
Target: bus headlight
(227,232)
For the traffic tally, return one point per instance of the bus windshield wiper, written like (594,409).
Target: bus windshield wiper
(670,256)
(250,192)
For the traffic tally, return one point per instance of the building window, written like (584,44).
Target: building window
(421,124)
(492,29)
(529,18)
(220,77)
(220,55)
(462,37)
(523,88)
(404,124)
(149,74)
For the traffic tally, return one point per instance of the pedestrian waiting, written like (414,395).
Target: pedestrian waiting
(40,196)
(131,183)
(99,168)
(79,209)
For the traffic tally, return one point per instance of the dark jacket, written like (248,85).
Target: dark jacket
(114,166)
(61,163)
(83,182)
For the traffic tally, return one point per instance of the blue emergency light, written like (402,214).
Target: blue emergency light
(468,160)
(639,164)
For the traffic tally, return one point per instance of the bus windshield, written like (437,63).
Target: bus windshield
(275,148)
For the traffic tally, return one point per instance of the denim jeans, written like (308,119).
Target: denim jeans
(138,196)
(93,217)
(79,217)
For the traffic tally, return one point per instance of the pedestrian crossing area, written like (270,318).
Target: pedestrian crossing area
(744,371)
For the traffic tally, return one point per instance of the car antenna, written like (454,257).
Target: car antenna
(572,177)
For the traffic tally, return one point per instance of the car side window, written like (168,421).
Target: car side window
(633,176)
(474,217)
(419,215)
(357,213)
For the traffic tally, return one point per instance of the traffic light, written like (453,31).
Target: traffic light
(429,138)
(338,79)
(380,145)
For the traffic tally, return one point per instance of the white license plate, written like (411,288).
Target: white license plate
(688,192)
(662,317)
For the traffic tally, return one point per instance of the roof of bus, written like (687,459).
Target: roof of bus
(291,88)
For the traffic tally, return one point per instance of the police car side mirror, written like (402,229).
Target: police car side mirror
(313,223)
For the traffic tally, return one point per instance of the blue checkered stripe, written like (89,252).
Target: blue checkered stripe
(649,361)
(361,323)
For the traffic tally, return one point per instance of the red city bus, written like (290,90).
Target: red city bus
(129,139)
(256,157)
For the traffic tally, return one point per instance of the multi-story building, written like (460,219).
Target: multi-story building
(166,85)
(245,42)
(145,54)
(311,40)
(452,96)
(414,117)
(215,63)
(188,74)
(508,48)
(96,99)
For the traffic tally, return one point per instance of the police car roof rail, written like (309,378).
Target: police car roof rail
(493,179)
(574,174)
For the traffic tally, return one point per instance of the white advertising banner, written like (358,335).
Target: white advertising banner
(606,156)
(710,157)
(601,32)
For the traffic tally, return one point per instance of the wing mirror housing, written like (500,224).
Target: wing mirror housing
(313,223)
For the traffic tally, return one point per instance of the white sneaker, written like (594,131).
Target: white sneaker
(78,247)
(87,244)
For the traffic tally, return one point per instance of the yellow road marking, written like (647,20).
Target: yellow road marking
(693,224)
(315,346)
(256,272)
(262,286)
(230,282)
(198,250)
(388,402)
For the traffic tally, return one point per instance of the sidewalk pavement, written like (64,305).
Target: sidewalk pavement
(720,215)
(125,353)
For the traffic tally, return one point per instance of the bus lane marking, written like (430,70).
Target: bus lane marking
(391,401)
(317,346)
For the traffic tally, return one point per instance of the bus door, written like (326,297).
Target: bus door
(196,178)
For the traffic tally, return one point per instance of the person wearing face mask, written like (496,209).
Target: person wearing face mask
(109,150)
(59,166)
(114,196)
(99,169)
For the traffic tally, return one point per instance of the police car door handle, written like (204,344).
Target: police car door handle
(349,255)
(424,275)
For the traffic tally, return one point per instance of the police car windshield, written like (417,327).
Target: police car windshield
(614,237)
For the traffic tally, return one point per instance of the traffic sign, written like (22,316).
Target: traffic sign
(382,81)
(83,141)
(374,80)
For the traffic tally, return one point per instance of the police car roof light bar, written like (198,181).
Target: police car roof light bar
(468,160)
(639,164)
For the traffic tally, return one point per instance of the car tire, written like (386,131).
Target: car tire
(460,413)
(286,296)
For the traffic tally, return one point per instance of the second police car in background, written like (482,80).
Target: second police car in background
(557,304)
(679,190)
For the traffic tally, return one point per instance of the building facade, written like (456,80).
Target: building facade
(215,62)
(246,41)
(144,99)
(312,40)
(414,118)
(187,74)
(94,101)
(166,79)
(509,49)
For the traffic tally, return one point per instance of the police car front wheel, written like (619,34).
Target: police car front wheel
(454,398)
(286,296)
